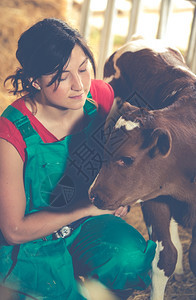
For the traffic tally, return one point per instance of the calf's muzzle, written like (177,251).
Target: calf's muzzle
(95,199)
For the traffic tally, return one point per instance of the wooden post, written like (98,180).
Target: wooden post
(134,18)
(85,15)
(191,51)
(106,42)
(165,12)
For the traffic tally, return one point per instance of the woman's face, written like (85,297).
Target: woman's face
(74,84)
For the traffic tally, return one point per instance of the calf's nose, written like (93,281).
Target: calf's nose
(94,197)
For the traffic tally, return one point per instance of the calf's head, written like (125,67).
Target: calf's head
(135,161)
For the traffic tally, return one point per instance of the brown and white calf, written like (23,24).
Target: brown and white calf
(151,154)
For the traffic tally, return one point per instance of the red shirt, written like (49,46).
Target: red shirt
(101,92)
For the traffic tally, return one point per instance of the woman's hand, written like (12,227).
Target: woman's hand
(92,210)
(119,212)
(122,211)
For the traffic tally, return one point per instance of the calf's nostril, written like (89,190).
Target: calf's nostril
(98,202)
(92,197)
(95,199)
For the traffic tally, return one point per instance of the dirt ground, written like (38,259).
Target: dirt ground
(15,17)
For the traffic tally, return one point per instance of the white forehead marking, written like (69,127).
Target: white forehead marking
(129,125)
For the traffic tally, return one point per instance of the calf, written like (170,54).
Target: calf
(150,154)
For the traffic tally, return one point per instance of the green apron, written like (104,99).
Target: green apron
(59,175)
(44,264)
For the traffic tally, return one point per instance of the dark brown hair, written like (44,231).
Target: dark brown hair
(44,49)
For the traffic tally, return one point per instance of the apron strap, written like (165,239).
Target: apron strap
(22,123)
(90,106)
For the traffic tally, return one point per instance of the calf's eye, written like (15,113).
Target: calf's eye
(125,161)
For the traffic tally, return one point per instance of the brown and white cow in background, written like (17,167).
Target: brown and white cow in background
(155,160)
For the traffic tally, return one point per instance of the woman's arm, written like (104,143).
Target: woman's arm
(16,227)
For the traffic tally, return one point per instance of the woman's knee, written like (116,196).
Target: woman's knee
(113,252)
(128,269)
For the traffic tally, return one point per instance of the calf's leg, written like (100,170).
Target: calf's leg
(157,217)
(192,252)
(176,241)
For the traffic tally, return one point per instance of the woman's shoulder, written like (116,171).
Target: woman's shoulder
(103,94)
(11,134)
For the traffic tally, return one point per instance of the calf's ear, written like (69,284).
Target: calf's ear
(161,143)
